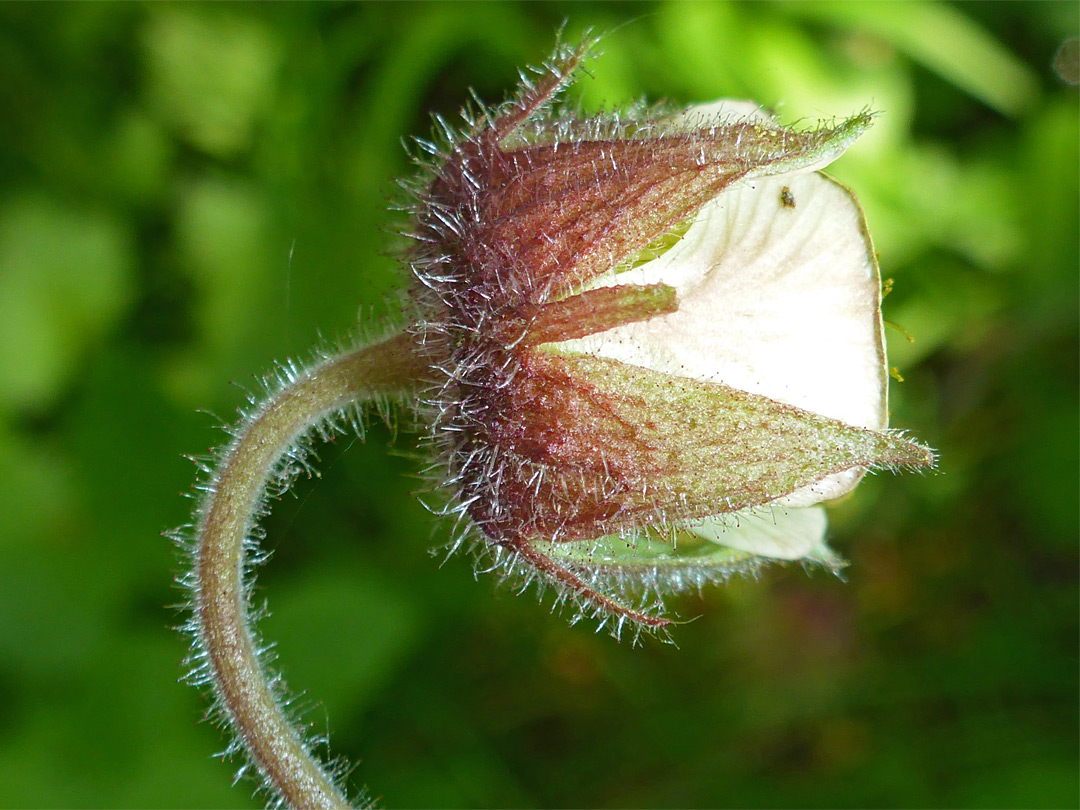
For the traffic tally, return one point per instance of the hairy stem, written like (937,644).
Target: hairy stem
(224,629)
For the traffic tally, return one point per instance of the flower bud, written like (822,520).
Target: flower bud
(658,341)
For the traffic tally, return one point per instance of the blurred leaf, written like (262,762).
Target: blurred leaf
(365,627)
(211,73)
(946,41)
(65,277)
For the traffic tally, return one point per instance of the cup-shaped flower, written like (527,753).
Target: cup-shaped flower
(658,341)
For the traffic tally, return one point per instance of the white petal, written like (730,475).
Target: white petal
(785,534)
(775,300)
(827,489)
(782,302)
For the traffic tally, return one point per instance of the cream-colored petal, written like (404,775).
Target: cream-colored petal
(784,534)
(779,295)
(776,300)
(827,489)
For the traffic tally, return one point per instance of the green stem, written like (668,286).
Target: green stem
(224,627)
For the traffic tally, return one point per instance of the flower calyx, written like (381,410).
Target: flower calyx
(657,341)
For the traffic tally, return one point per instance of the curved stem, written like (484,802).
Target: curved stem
(223,625)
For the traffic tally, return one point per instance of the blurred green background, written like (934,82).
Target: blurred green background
(188,192)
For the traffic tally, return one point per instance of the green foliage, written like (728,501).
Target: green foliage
(190,191)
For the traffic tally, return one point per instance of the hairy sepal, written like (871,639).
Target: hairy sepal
(610,448)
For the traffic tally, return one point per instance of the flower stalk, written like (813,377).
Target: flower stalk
(264,453)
